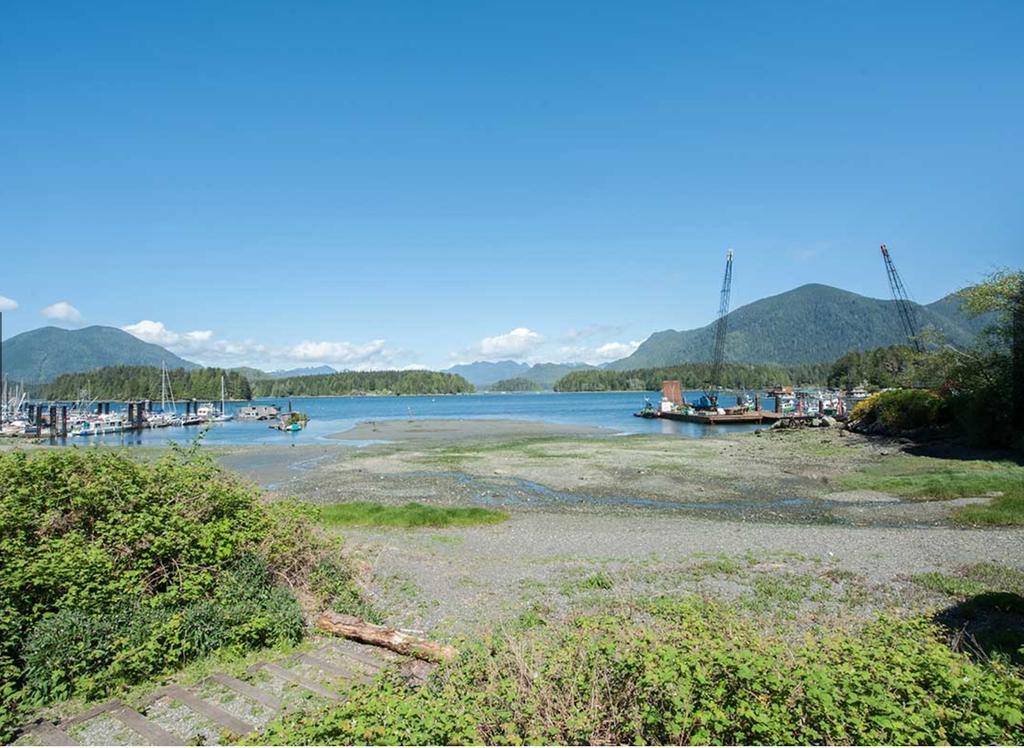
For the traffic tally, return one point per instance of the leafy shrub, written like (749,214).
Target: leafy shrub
(113,571)
(901,410)
(697,674)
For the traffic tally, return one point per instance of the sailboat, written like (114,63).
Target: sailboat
(165,417)
(223,415)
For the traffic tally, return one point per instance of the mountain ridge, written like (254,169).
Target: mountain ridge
(41,355)
(812,323)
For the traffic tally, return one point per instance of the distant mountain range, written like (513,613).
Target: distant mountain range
(258,375)
(810,324)
(481,374)
(41,355)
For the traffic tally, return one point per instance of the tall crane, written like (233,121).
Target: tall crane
(905,309)
(721,328)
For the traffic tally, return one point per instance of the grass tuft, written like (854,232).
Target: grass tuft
(374,514)
(930,478)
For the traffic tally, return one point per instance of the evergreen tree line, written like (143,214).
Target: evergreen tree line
(143,383)
(416,382)
(515,384)
(692,376)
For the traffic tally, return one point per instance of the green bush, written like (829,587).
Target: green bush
(902,410)
(114,571)
(697,674)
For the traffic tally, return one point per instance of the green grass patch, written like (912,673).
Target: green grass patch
(777,593)
(413,514)
(589,583)
(931,478)
(970,581)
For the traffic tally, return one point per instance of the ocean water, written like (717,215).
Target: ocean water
(332,415)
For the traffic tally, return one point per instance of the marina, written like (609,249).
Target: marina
(329,416)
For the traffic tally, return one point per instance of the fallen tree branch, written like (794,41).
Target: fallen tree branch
(351,627)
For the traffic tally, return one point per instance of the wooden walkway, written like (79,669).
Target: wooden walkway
(221,708)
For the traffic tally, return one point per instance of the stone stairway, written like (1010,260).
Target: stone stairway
(222,708)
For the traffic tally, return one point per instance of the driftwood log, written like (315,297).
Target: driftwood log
(397,641)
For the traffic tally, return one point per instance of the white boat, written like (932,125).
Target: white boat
(106,423)
(857,394)
(223,414)
(164,417)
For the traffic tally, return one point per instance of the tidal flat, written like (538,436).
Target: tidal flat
(796,524)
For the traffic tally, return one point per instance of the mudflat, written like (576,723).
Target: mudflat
(460,429)
(601,518)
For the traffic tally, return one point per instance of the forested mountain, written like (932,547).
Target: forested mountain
(692,376)
(810,324)
(42,355)
(143,383)
(416,382)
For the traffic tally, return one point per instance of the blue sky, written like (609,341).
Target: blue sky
(392,184)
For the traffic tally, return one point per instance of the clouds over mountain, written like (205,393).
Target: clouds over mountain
(204,346)
(517,342)
(62,311)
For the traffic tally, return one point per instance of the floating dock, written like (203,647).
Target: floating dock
(752,416)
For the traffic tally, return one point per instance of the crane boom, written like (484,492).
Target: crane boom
(908,318)
(721,328)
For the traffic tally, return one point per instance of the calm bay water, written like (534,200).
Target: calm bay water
(331,415)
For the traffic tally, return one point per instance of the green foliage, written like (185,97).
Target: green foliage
(892,366)
(408,515)
(589,583)
(143,383)
(696,674)
(516,384)
(114,571)
(986,381)
(691,376)
(417,382)
(901,410)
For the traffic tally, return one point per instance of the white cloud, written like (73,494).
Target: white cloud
(158,333)
(614,351)
(344,353)
(7,305)
(600,354)
(203,346)
(515,342)
(62,311)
